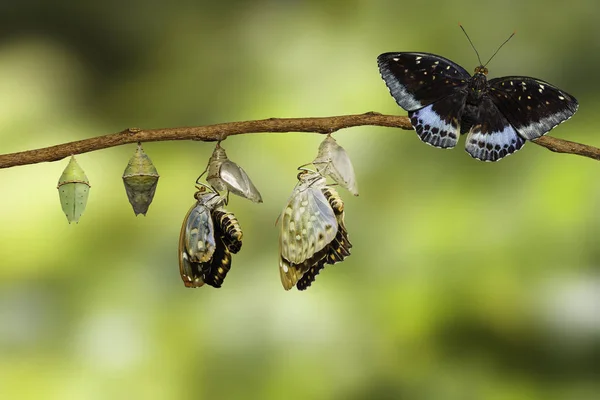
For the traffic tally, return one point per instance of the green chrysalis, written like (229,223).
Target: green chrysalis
(73,190)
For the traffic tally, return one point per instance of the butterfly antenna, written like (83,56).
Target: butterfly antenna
(472,45)
(506,41)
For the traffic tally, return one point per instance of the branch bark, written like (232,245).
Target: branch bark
(211,133)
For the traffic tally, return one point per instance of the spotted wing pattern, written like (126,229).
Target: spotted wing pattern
(416,80)
(439,123)
(444,101)
(308,225)
(208,237)
(493,137)
(532,106)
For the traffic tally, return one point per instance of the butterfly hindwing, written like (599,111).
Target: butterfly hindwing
(416,80)
(438,124)
(532,106)
(492,137)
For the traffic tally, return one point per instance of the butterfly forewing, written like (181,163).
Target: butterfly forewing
(416,80)
(199,241)
(532,106)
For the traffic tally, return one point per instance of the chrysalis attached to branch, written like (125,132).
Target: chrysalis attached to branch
(332,160)
(140,179)
(312,231)
(73,190)
(224,174)
(209,235)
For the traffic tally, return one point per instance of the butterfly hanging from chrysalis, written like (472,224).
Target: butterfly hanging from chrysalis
(312,231)
(444,101)
(209,235)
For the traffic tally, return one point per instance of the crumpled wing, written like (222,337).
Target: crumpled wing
(333,160)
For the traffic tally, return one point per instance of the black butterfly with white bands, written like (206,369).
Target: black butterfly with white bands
(443,100)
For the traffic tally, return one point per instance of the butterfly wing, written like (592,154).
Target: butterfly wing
(188,270)
(416,80)
(334,252)
(532,106)
(438,124)
(491,137)
(308,224)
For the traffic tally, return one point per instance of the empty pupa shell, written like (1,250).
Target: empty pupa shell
(332,160)
(73,190)
(224,174)
(140,179)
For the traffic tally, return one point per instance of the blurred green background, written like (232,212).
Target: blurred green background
(467,280)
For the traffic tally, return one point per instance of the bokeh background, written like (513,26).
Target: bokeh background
(467,280)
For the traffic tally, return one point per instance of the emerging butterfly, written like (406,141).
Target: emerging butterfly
(443,100)
(312,231)
(209,235)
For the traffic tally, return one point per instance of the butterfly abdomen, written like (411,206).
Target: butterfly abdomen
(220,266)
(229,226)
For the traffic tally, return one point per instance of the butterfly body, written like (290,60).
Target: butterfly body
(312,231)
(498,115)
(209,235)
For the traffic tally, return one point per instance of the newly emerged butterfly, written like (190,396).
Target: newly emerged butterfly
(333,161)
(444,101)
(209,234)
(312,231)
(224,174)
(334,252)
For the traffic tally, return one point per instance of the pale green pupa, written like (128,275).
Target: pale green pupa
(73,190)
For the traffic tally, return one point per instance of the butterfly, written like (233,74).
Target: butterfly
(444,101)
(312,231)
(209,235)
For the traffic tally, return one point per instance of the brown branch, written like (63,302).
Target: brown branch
(217,132)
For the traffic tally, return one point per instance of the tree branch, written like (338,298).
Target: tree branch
(217,132)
